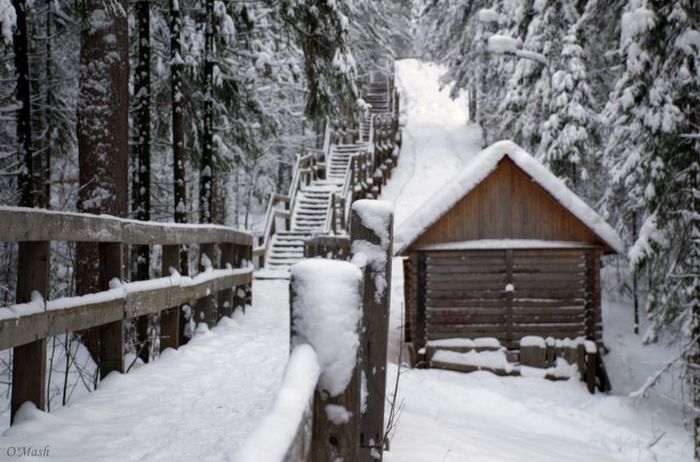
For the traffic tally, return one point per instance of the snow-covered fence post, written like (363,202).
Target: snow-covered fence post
(371,228)
(29,360)
(326,311)
(205,306)
(228,257)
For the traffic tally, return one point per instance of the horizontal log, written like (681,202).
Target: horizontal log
(464,254)
(470,304)
(549,267)
(490,268)
(465,285)
(467,261)
(467,277)
(575,277)
(461,317)
(25,224)
(499,308)
(540,253)
(443,294)
(78,313)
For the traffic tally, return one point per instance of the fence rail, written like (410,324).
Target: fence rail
(26,325)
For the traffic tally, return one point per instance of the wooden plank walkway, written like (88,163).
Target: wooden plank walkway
(196,403)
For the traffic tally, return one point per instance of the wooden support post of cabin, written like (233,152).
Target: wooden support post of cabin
(508,297)
(374,335)
(419,339)
(112,334)
(29,360)
(589,290)
(407,298)
(228,257)
(205,306)
(170,318)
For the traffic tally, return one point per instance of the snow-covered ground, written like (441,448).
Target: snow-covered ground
(202,401)
(450,416)
(196,403)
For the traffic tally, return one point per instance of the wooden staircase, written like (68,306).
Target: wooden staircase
(353,163)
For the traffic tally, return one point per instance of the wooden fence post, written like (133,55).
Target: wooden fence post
(228,256)
(247,260)
(29,360)
(170,318)
(204,308)
(112,334)
(371,228)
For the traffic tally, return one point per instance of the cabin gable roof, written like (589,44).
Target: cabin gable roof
(470,206)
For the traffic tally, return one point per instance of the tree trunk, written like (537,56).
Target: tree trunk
(206,168)
(24,114)
(142,124)
(103,137)
(178,128)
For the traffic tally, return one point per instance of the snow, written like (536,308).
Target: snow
(452,416)
(501,44)
(481,359)
(275,432)
(8,18)
(473,174)
(337,414)
(488,15)
(532,341)
(326,313)
(376,216)
(195,403)
(437,139)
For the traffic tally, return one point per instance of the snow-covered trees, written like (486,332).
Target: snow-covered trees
(569,135)
(653,149)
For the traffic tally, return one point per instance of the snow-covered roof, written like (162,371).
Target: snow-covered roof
(481,167)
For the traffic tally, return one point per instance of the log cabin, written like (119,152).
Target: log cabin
(504,250)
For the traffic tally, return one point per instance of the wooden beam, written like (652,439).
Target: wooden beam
(170,318)
(26,224)
(29,360)
(111,334)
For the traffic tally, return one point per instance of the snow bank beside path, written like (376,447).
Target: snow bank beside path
(479,417)
(194,404)
(437,139)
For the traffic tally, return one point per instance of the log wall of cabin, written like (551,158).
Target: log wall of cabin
(463,294)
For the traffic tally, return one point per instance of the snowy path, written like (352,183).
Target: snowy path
(478,417)
(197,403)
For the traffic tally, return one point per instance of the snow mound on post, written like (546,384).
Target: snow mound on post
(326,312)
(275,432)
(376,216)
(476,171)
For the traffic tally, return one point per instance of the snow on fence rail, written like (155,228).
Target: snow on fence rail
(340,326)
(26,325)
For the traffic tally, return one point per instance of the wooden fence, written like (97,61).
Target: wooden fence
(26,325)
(305,427)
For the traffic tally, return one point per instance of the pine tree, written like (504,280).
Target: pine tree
(570,134)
